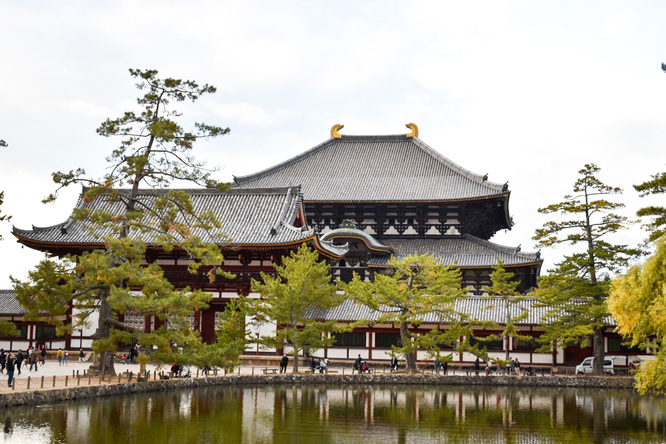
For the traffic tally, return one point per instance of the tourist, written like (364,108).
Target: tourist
(60,354)
(516,366)
(82,356)
(3,360)
(445,368)
(43,354)
(394,364)
(10,364)
(438,365)
(65,358)
(19,360)
(284,362)
(477,366)
(313,364)
(357,364)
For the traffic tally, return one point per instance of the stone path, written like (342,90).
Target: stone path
(51,369)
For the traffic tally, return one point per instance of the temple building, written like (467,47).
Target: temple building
(394,195)
(357,200)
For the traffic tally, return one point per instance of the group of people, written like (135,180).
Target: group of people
(513,365)
(63,356)
(319,364)
(360,365)
(133,353)
(180,371)
(13,362)
(442,366)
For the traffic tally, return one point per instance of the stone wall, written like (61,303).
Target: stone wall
(37,397)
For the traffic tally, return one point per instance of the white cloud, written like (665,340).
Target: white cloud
(525,91)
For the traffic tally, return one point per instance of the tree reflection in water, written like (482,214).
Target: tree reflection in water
(326,414)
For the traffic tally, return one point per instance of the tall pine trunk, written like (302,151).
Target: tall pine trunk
(101,364)
(599,352)
(410,359)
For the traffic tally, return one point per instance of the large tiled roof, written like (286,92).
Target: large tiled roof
(375,168)
(248,217)
(9,305)
(466,251)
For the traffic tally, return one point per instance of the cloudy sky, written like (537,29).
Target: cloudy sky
(525,91)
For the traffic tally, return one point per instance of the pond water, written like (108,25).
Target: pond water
(350,414)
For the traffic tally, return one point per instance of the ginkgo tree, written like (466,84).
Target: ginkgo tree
(416,286)
(154,152)
(637,302)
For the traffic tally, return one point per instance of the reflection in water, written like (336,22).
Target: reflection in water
(326,414)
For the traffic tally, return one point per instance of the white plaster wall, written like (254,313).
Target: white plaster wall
(338,353)
(381,354)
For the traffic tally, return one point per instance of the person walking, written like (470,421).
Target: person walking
(81,355)
(43,354)
(284,362)
(65,357)
(19,360)
(60,354)
(10,365)
(33,360)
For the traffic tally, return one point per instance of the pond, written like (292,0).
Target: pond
(350,414)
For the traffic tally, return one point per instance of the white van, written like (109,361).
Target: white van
(586,366)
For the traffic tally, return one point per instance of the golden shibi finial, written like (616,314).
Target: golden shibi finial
(414,128)
(334,131)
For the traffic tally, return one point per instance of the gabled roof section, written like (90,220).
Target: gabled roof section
(479,309)
(249,217)
(466,251)
(391,168)
(9,305)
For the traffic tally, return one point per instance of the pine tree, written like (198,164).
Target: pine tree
(657,225)
(575,292)
(503,290)
(154,152)
(3,217)
(301,287)
(418,285)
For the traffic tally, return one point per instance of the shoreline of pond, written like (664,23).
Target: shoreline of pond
(41,397)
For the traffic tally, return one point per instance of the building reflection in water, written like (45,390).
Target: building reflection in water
(347,414)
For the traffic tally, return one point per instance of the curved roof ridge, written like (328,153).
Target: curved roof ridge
(369,240)
(482,179)
(36,228)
